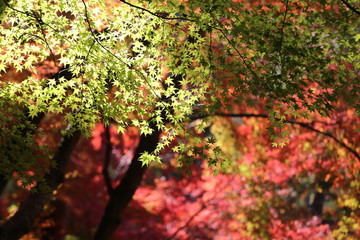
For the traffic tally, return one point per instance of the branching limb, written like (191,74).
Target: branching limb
(155,14)
(283,25)
(129,66)
(43,33)
(353,9)
(14,9)
(301,124)
(309,127)
(247,65)
(203,207)
(40,22)
(123,193)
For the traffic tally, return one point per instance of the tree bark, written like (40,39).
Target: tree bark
(3,183)
(21,223)
(123,193)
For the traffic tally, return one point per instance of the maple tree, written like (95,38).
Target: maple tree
(262,93)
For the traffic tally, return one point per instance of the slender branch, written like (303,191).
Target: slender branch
(14,9)
(301,124)
(105,170)
(307,126)
(236,50)
(351,7)
(155,14)
(203,207)
(41,22)
(283,25)
(139,73)
(241,115)
(87,19)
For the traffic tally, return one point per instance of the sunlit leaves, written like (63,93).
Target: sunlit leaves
(161,67)
(126,61)
(147,158)
(19,150)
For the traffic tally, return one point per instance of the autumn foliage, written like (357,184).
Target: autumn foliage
(239,119)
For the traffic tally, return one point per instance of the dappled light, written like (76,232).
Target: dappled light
(179,119)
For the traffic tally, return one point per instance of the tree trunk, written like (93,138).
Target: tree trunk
(3,183)
(121,196)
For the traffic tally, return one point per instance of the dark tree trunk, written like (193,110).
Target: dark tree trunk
(318,203)
(3,183)
(121,196)
(320,197)
(21,223)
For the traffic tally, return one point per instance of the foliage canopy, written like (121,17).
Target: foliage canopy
(125,59)
(160,65)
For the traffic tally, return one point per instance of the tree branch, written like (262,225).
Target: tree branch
(301,124)
(129,66)
(155,14)
(236,50)
(21,223)
(203,207)
(123,193)
(283,28)
(353,9)
(307,126)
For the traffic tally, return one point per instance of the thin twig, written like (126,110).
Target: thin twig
(305,125)
(236,50)
(41,22)
(155,14)
(87,19)
(203,207)
(351,7)
(129,66)
(281,64)
(283,26)
(16,10)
